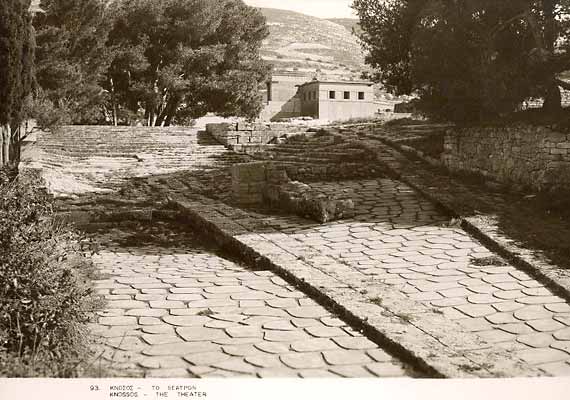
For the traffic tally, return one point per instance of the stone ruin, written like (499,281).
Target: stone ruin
(284,151)
(264,182)
(248,137)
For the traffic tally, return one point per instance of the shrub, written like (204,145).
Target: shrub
(45,295)
(46,114)
(404,121)
(7,175)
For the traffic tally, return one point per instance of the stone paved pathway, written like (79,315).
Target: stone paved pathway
(398,238)
(533,226)
(186,312)
(421,280)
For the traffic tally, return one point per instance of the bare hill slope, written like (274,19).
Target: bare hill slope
(306,43)
(348,23)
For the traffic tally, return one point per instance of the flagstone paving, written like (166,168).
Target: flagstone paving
(186,312)
(398,256)
(399,239)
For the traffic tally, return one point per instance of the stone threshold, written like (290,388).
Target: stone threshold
(429,341)
(484,230)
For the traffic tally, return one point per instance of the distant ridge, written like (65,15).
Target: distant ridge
(348,23)
(299,42)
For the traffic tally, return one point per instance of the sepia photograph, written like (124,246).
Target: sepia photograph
(196,190)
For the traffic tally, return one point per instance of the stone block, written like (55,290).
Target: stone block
(257,187)
(245,126)
(275,175)
(248,172)
(221,127)
(563,145)
(231,140)
(256,139)
(248,182)
(300,199)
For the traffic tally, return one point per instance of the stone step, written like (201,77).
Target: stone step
(314,160)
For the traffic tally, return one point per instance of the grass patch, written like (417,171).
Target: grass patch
(407,318)
(45,286)
(488,261)
(376,300)
(404,121)
(357,120)
(431,146)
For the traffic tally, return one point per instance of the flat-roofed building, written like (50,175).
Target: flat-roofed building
(293,94)
(337,100)
(280,95)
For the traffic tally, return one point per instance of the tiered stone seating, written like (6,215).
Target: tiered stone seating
(319,156)
(100,157)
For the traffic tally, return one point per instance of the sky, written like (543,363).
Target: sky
(317,8)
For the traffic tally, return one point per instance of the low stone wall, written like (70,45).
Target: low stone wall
(533,156)
(257,182)
(249,182)
(243,133)
(299,198)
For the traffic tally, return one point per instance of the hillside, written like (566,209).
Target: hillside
(348,23)
(307,44)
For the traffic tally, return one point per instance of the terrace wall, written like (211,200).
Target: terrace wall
(242,133)
(534,156)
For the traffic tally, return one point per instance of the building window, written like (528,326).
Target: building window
(347,95)
(332,94)
(360,95)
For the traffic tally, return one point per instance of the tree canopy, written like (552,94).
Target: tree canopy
(468,59)
(72,57)
(16,60)
(155,62)
(179,59)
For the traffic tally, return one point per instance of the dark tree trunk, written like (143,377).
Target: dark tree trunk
(169,119)
(15,144)
(3,129)
(553,99)
(162,115)
(550,24)
(169,112)
(151,116)
(114,103)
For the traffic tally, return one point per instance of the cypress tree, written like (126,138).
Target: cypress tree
(7,36)
(16,69)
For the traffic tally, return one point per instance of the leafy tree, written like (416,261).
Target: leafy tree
(467,59)
(175,60)
(16,71)
(72,57)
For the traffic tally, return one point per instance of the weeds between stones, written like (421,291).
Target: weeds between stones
(376,300)
(493,260)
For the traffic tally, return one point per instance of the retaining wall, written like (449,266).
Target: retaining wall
(255,134)
(538,157)
(257,182)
